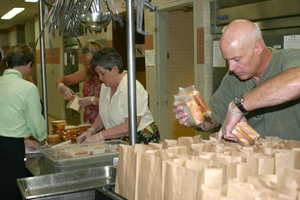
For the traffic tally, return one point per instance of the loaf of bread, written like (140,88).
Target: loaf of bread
(73,104)
(58,122)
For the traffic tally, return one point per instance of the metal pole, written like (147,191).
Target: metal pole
(130,34)
(42,54)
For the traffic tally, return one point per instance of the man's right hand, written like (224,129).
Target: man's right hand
(180,115)
(67,93)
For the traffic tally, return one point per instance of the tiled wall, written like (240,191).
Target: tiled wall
(181,57)
(204,67)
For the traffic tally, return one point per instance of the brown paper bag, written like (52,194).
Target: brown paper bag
(291,144)
(185,141)
(296,158)
(295,173)
(244,170)
(195,149)
(181,182)
(163,155)
(229,169)
(139,149)
(149,176)
(197,139)
(210,193)
(209,148)
(264,188)
(241,190)
(155,145)
(283,159)
(128,165)
(179,149)
(126,170)
(171,142)
(266,164)
(272,187)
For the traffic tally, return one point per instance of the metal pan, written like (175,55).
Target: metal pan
(66,182)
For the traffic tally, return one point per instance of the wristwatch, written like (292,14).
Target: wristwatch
(239,103)
(93,100)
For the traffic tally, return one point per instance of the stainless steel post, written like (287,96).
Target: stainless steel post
(43,63)
(130,32)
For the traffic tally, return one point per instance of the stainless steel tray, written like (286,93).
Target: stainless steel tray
(66,182)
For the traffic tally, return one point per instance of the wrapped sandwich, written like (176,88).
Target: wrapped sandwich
(195,94)
(193,104)
(246,135)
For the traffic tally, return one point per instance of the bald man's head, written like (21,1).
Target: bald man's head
(241,33)
(242,46)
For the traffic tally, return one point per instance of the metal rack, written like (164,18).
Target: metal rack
(130,28)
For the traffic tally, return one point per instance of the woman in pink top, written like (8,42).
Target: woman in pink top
(92,84)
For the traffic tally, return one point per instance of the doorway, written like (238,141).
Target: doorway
(174,46)
(120,45)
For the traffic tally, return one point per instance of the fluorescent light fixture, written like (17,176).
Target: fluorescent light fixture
(31,0)
(12,13)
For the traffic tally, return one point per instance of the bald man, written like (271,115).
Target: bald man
(262,84)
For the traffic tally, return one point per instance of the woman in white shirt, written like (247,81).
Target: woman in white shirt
(113,104)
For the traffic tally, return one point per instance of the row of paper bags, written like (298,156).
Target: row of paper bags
(191,168)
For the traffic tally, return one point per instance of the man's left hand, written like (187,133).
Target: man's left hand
(231,119)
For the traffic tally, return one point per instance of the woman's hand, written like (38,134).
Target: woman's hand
(85,135)
(86,101)
(95,138)
(67,93)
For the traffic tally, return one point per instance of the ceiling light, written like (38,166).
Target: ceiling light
(12,13)
(31,0)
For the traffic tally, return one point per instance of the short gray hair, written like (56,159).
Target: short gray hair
(258,34)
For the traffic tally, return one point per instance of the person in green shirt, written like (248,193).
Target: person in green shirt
(262,85)
(20,117)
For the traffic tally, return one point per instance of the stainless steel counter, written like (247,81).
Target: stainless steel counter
(35,163)
(82,187)
(57,184)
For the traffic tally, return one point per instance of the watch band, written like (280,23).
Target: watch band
(239,103)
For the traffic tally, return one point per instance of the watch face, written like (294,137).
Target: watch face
(238,100)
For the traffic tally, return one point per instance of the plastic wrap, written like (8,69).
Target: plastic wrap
(193,104)
(72,156)
(246,135)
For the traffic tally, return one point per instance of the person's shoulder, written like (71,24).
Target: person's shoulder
(29,85)
(287,55)
(286,51)
(139,85)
